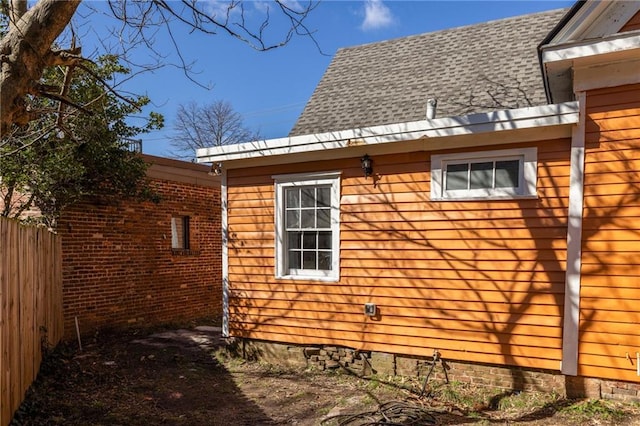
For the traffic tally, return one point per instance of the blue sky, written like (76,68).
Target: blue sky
(271,88)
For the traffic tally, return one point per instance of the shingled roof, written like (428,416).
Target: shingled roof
(476,68)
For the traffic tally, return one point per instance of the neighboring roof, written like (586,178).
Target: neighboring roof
(390,81)
(180,171)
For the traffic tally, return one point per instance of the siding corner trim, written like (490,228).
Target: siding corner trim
(225,253)
(571,325)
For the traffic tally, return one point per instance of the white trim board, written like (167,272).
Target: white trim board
(225,254)
(571,325)
(471,125)
(596,19)
(581,49)
(606,75)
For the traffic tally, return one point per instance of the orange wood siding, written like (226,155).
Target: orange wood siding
(633,24)
(481,281)
(610,293)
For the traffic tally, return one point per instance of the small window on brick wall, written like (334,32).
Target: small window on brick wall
(181,235)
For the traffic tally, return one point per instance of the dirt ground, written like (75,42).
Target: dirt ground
(185,377)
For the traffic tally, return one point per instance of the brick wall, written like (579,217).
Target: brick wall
(119,268)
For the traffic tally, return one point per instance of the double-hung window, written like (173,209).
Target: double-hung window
(307,225)
(509,173)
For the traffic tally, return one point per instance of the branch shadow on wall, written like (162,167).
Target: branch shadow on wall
(481,281)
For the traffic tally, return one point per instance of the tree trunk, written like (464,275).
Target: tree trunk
(25,51)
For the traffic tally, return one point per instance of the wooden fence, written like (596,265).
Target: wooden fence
(30,307)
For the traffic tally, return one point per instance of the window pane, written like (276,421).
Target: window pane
(293,218)
(324,218)
(308,218)
(324,197)
(180,232)
(294,260)
(324,240)
(457,176)
(309,240)
(481,175)
(293,197)
(507,173)
(324,260)
(176,241)
(308,197)
(308,260)
(294,240)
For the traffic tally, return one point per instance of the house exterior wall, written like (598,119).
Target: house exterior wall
(609,316)
(119,268)
(481,281)
(632,24)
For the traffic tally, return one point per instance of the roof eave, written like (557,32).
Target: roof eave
(587,21)
(575,9)
(392,135)
(595,19)
(559,60)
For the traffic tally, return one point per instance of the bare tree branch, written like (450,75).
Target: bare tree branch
(33,138)
(214,124)
(489,94)
(63,100)
(28,47)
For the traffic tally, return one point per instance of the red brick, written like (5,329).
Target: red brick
(118,267)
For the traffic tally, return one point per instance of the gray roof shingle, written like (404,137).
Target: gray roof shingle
(483,67)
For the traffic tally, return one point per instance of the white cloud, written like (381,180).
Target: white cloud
(376,15)
(218,8)
(262,6)
(294,5)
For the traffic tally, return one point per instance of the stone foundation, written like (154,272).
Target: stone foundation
(333,357)
(366,363)
(273,353)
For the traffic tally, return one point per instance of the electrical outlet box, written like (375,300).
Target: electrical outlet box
(370,309)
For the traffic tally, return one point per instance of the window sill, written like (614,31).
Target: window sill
(307,278)
(488,198)
(185,252)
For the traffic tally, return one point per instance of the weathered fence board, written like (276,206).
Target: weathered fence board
(30,307)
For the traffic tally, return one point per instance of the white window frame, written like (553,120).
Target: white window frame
(282,182)
(527,179)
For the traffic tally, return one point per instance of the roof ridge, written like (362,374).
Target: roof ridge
(452,29)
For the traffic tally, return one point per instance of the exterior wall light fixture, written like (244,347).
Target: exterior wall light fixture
(216,169)
(367,165)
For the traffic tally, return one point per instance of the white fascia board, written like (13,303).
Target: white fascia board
(582,49)
(581,20)
(596,19)
(513,119)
